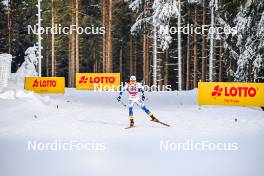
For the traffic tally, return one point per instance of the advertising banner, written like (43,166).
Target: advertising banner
(98,81)
(231,93)
(45,85)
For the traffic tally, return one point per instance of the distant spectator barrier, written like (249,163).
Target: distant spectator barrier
(231,94)
(98,81)
(45,85)
(5,69)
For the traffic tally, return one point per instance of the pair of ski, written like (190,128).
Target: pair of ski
(157,121)
(154,120)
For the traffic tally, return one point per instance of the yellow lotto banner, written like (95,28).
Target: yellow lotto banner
(231,93)
(98,81)
(45,84)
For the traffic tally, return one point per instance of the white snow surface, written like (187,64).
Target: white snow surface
(97,117)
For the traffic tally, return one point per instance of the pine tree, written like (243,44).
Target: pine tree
(245,46)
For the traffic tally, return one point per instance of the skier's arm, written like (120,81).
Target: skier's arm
(141,89)
(121,92)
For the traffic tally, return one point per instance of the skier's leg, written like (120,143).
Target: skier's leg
(131,116)
(145,109)
(130,111)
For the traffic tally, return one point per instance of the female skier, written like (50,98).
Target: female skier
(134,88)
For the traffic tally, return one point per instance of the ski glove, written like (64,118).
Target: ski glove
(118,98)
(143,97)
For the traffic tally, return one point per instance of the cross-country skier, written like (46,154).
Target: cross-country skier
(134,88)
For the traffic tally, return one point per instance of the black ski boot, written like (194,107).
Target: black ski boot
(154,119)
(131,123)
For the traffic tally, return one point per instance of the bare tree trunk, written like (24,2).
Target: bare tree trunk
(72,48)
(77,36)
(188,59)
(47,62)
(204,45)
(188,63)
(179,49)
(103,24)
(211,58)
(145,60)
(132,57)
(69,63)
(53,73)
(195,54)
(121,60)
(109,40)
(70,53)
(73,57)
(221,60)
(107,7)
(9,25)
(154,48)
(94,67)
(166,70)
(103,4)
(95,61)
(135,57)
(145,52)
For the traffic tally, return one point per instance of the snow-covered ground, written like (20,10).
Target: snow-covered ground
(89,117)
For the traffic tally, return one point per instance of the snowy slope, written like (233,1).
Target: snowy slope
(97,117)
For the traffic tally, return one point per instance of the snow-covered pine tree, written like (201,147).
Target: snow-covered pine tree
(247,44)
(195,4)
(213,7)
(146,21)
(163,13)
(142,24)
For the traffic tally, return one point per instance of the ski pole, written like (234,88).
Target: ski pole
(119,100)
(123,103)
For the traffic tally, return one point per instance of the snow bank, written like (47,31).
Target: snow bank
(15,81)
(18,93)
(28,67)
